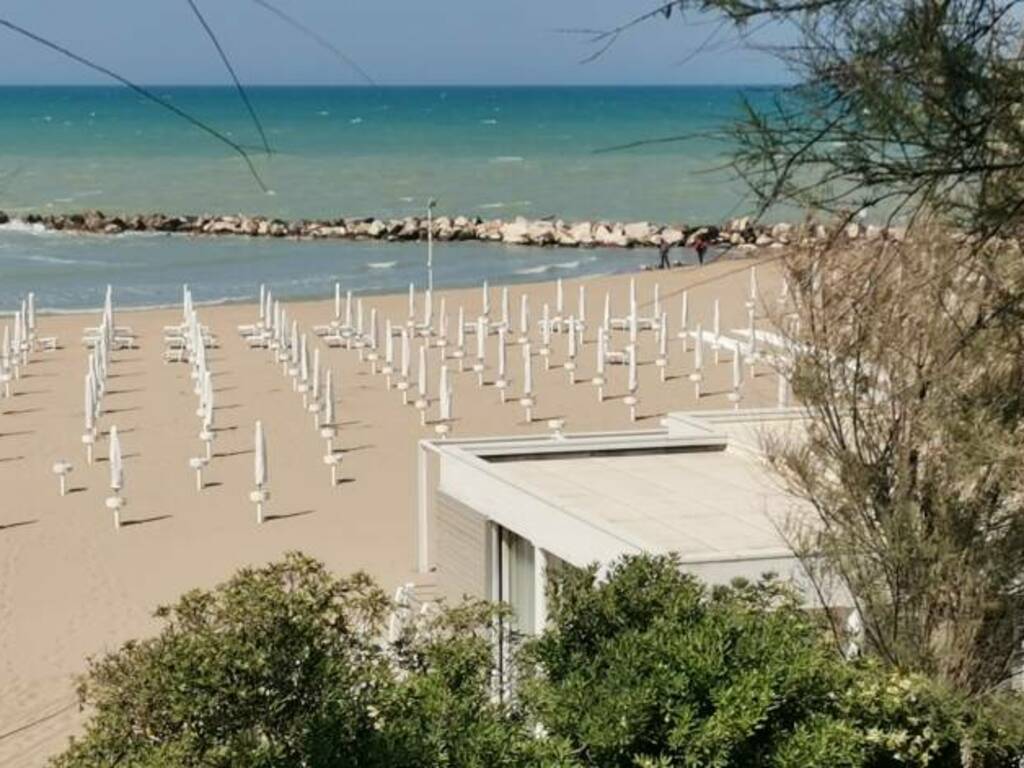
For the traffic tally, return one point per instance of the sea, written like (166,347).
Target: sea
(621,153)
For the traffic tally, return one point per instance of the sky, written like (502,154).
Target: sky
(398,42)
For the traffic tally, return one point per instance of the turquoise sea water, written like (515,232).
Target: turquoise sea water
(346,151)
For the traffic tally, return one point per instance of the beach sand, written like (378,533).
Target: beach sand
(72,586)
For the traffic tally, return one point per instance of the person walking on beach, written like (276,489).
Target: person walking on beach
(663,249)
(700,245)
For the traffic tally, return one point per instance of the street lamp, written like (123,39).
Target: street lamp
(430,244)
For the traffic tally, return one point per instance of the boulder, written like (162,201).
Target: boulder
(852,230)
(516,232)
(639,232)
(582,233)
(4,218)
(376,229)
(872,232)
(763,240)
(782,232)
(673,236)
(541,232)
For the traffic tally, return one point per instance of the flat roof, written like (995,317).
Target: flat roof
(698,486)
(706,505)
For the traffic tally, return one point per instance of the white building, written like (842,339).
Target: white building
(497,515)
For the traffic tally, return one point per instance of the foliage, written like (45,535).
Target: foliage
(285,666)
(912,366)
(282,666)
(652,669)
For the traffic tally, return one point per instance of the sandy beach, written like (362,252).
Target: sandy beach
(72,586)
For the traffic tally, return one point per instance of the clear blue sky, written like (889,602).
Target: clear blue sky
(397,41)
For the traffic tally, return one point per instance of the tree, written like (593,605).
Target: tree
(651,668)
(283,665)
(898,108)
(908,352)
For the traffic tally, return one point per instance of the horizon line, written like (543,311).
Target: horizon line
(379,86)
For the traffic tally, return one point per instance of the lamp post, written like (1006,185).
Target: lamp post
(430,244)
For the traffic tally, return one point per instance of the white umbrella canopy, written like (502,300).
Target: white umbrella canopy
(421,373)
(481,338)
(303,360)
(208,400)
(329,399)
(116,461)
(404,369)
(260,456)
(316,373)
(389,344)
(501,353)
(632,383)
(90,404)
(444,391)
(527,371)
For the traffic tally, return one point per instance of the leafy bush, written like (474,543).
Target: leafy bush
(285,666)
(651,668)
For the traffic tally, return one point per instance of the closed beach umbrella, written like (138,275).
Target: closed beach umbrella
(443,312)
(373,329)
(445,394)
(208,400)
(607,322)
(90,404)
(559,298)
(602,340)
(663,339)
(481,338)
(657,300)
(348,309)
(545,326)
(501,354)
(294,347)
(421,373)
(428,308)
(329,399)
(698,349)
(359,317)
(572,339)
(116,461)
(504,306)
(631,385)
(461,330)
(737,375)
(412,302)
(404,370)
(524,315)
(260,456)
(753,283)
(486,299)
(717,325)
(527,371)
(31,313)
(581,308)
(316,374)
(337,301)
(303,360)
(263,302)
(389,345)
